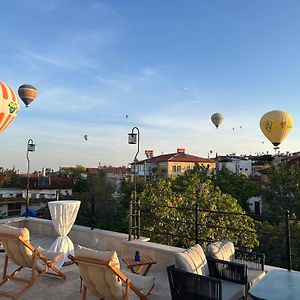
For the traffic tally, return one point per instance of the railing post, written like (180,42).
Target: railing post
(288,240)
(93,212)
(138,217)
(197,223)
(130,220)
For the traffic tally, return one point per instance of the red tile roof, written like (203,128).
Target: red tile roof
(177,157)
(56,182)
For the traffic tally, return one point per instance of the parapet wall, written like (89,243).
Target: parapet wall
(102,240)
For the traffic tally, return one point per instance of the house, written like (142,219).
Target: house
(172,164)
(235,164)
(41,189)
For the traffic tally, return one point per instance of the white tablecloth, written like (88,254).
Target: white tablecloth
(63,214)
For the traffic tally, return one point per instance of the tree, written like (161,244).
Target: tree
(282,191)
(169,210)
(8,178)
(238,186)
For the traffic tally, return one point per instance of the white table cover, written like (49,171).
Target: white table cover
(63,214)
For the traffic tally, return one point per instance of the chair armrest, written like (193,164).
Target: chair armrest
(254,260)
(185,285)
(227,270)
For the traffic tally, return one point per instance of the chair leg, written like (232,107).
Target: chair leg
(84,292)
(5,266)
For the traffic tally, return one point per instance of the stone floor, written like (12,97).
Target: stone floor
(53,288)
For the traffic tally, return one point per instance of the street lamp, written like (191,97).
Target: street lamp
(30,148)
(134,206)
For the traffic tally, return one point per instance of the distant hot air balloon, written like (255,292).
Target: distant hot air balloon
(276,125)
(217,119)
(85,137)
(27,93)
(9,105)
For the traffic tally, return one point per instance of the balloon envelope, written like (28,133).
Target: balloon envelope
(217,119)
(9,105)
(27,93)
(85,137)
(276,125)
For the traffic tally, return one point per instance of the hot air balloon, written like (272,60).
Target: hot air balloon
(9,105)
(85,137)
(276,125)
(217,119)
(27,93)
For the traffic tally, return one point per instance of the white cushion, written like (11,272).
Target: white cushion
(144,283)
(221,250)
(192,260)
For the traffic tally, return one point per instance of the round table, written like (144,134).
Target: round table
(277,285)
(63,214)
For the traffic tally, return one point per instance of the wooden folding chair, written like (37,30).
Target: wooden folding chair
(109,285)
(19,250)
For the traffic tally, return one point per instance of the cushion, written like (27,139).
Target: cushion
(192,260)
(100,280)
(7,229)
(15,250)
(221,250)
(254,276)
(232,291)
(143,283)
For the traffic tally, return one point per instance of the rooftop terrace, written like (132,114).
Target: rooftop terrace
(43,234)
(47,287)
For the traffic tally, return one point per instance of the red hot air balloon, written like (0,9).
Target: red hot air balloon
(9,105)
(27,93)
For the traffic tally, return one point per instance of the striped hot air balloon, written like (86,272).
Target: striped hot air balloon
(9,105)
(27,93)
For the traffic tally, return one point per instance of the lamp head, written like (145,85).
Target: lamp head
(132,138)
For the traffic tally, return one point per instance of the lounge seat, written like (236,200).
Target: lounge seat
(102,276)
(191,279)
(18,249)
(225,250)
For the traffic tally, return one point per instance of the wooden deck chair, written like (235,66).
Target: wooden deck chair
(101,274)
(18,249)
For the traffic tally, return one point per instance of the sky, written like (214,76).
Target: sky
(168,65)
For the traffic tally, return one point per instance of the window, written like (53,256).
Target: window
(174,169)
(246,169)
(178,169)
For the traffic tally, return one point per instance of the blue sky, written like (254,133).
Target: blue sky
(167,64)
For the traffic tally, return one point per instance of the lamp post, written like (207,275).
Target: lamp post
(30,148)
(134,206)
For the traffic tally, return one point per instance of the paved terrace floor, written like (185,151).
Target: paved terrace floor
(53,288)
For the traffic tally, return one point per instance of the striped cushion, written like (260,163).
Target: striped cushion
(192,260)
(221,250)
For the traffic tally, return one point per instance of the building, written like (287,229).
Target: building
(235,164)
(41,189)
(172,164)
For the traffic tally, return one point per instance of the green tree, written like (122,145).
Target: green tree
(282,191)
(8,178)
(238,186)
(169,212)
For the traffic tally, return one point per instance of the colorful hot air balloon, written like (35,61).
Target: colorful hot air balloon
(9,105)
(217,119)
(276,125)
(27,93)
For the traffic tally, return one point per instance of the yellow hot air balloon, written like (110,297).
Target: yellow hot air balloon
(276,125)
(9,105)
(217,119)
